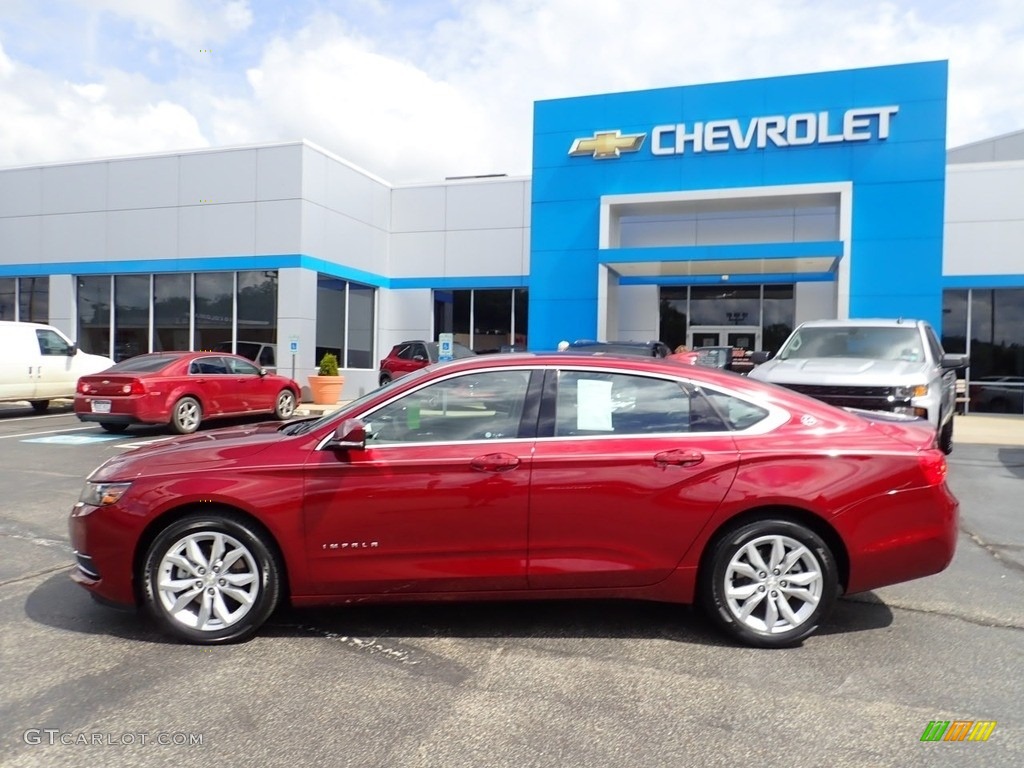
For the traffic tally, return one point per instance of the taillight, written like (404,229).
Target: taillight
(84,388)
(135,388)
(933,465)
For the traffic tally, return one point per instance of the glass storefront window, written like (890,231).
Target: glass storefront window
(492,320)
(34,299)
(8,298)
(257,315)
(214,309)
(779,315)
(954,321)
(484,320)
(725,305)
(172,308)
(131,316)
(360,326)
(94,314)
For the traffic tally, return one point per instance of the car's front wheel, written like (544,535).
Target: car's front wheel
(211,579)
(186,416)
(285,405)
(770,583)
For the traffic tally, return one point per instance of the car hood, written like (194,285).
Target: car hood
(175,454)
(841,371)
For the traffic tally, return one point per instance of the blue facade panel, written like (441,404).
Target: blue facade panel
(881,129)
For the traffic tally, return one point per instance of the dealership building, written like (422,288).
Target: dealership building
(702,215)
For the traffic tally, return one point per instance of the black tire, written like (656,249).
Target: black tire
(385,378)
(40,406)
(202,608)
(731,554)
(284,405)
(115,429)
(186,415)
(946,437)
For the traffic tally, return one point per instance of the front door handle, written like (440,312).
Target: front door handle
(495,462)
(678,458)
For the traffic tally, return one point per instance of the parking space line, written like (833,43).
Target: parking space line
(45,432)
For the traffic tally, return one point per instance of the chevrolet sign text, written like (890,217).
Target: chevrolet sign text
(801,129)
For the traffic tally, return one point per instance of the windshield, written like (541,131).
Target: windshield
(866,343)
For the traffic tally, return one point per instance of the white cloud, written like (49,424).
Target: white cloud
(186,24)
(413,96)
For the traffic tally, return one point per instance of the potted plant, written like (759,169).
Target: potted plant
(326,386)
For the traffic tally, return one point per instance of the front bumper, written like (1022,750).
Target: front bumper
(104,545)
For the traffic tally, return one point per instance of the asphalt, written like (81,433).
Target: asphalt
(971,429)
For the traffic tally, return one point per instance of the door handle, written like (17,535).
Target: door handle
(495,462)
(678,458)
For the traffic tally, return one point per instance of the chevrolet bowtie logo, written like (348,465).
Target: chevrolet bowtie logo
(607,144)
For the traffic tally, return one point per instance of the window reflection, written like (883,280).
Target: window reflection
(94,314)
(172,307)
(131,316)
(214,309)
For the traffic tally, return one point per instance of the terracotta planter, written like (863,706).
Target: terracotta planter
(326,390)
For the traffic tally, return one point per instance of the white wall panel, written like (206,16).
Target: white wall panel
(381,207)
(814,301)
(350,242)
(485,205)
(350,192)
(314,175)
(278,226)
(74,237)
(405,314)
(75,188)
(149,233)
(21,192)
(978,193)
(217,230)
(638,313)
(417,254)
(221,177)
(150,182)
(984,248)
(279,172)
(484,252)
(21,239)
(313,230)
(418,209)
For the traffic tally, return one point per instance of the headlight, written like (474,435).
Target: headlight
(102,494)
(919,390)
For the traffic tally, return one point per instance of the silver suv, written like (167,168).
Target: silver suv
(878,365)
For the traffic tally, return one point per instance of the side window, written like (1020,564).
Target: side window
(476,406)
(52,344)
(405,352)
(420,350)
(737,413)
(209,366)
(595,403)
(934,344)
(267,357)
(243,367)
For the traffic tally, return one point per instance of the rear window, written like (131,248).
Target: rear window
(144,364)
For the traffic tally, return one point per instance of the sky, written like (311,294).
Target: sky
(420,90)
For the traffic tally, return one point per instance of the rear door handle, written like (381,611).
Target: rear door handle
(495,462)
(678,458)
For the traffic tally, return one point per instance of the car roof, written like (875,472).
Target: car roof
(864,322)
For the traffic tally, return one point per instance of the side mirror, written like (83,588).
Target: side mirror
(349,435)
(263,372)
(72,350)
(761,356)
(419,358)
(955,361)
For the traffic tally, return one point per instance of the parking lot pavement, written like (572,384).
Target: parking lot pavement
(539,684)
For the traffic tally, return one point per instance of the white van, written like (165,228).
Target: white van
(38,363)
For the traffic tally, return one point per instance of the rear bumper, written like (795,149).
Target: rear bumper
(123,410)
(899,537)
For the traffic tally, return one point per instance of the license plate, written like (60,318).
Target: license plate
(101,406)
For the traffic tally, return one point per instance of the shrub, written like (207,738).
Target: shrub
(328,365)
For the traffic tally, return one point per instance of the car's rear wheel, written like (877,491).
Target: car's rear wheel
(211,579)
(946,437)
(285,406)
(770,583)
(186,416)
(40,406)
(113,428)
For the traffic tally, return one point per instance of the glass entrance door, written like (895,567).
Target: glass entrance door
(745,337)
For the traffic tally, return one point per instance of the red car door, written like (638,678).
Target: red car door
(438,499)
(632,470)
(209,375)
(249,390)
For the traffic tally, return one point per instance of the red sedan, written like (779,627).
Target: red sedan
(182,389)
(523,476)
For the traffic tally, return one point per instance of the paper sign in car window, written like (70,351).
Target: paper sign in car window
(594,405)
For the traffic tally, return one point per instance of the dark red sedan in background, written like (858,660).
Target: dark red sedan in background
(182,389)
(526,476)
